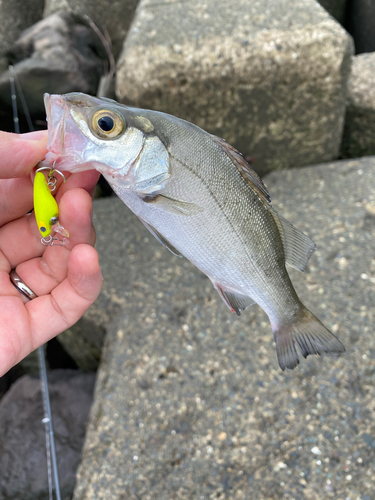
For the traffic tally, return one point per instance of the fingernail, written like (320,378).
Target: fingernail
(34,136)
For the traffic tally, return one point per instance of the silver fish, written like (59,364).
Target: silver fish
(199,197)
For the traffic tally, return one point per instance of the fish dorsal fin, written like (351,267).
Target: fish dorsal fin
(298,247)
(250,176)
(236,302)
(160,238)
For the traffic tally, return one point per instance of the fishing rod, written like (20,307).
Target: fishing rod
(52,468)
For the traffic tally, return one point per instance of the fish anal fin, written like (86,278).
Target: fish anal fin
(236,302)
(173,205)
(309,334)
(298,247)
(160,238)
(248,174)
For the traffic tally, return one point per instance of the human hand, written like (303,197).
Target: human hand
(66,279)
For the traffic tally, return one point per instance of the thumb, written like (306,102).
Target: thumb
(20,153)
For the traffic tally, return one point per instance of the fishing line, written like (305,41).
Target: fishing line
(14,101)
(52,468)
(23,102)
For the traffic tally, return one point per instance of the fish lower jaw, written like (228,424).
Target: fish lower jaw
(114,178)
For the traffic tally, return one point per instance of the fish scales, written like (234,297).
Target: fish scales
(225,197)
(198,196)
(240,245)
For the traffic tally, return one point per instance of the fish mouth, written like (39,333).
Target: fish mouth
(70,147)
(54,107)
(66,142)
(56,120)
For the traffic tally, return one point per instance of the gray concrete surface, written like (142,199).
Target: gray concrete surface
(190,402)
(270,78)
(359,130)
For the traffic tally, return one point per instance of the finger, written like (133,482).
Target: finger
(86,180)
(20,240)
(16,198)
(43,274)
(76,217)
(20,153)
(51,314)
(24,328)
(16,195)
(15,336)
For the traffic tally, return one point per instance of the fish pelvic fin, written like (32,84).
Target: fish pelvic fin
(309,334)
(236,302)
(298,247)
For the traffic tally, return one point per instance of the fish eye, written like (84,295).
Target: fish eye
(107,124)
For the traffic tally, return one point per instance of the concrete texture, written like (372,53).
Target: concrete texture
(15,16)
(337,8)
(23,467)
(269,77)
(114,16)
(190,402)
(359,129)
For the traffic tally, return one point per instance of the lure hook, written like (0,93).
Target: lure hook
(50,241)
(52,181)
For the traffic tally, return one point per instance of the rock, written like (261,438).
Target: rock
(113,15)
(22,439)
(190,401)
(359,130)
(15,16)
(361,25)
(337,8)
(272,82)
(56,55)
(83,341)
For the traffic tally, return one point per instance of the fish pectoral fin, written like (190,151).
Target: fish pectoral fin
(173,205)
(298,247)
(236,302)
(160,238)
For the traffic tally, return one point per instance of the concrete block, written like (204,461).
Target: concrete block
(359,130)
(113,15)
(55,55)
(268,77)
(190,402)
(15,16)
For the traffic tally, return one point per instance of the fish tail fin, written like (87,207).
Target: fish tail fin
(311,336)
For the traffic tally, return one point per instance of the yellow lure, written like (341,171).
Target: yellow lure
(45,206)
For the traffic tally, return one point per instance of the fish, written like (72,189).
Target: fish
(199,198)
